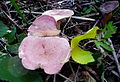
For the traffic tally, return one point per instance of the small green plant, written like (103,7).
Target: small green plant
(87,10)
(102,38)
(101,41)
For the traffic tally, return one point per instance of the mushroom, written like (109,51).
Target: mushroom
(106,9)
(44,52)
(44,26)
(109,6)
(59,14)
(43,48)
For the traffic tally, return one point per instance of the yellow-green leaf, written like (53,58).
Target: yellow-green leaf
(90,34)
(81,56)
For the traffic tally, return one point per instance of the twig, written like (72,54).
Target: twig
(66,25)
(5,49)
(54,80)
(118,22)
(97,21)
(11,20)
(118,53)
(115,73)
(83,18)
(91,3)
(76,75)
(65,77)
(75,17)
(89,15)
(71,68)
(46,80)
(72,26)
(114,55)
(6,7)
(89,69)
(83,23)
(91,41)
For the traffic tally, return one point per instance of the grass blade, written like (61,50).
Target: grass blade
(18,11)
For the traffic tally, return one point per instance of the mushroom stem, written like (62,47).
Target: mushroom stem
(106,18)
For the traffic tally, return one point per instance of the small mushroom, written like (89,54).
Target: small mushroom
(106,10)
(44,52)
(59,14)
(44,26)
(109,6)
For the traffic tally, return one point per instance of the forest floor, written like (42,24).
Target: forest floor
(106,67)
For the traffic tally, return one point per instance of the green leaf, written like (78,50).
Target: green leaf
(81,56)
(109,30)
(4,74)
(15,67)
(110,79)
(100,44)
(3,29)
(11,36)
(106,42)
(87,10)
(9,72)
(21,37)
(2,54)
(13,48)
(90,34)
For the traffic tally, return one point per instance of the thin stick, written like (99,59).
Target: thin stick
(46,80)
(97,21)
(89,15)
(118,53)
(75,17)
(6,7)
(54,79)
(76,75)
(83,18)
(11,20)
(65,77)
(76,25)
(114,55)
(66,25)
(5,49)
(71,68)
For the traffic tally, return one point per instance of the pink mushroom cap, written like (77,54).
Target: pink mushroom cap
(43,26)
(44,52)
(59,14)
